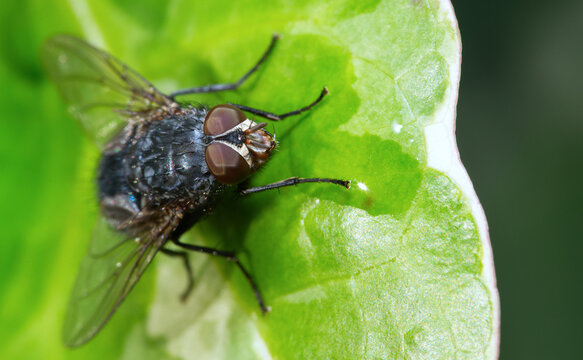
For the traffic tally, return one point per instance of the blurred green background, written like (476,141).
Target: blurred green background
(519,131)
(520,135)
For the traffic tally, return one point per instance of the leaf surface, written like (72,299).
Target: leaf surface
(398,267)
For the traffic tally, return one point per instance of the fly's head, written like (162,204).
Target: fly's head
(238,146)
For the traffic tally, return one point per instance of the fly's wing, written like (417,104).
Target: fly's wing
(111,268)
(102,92)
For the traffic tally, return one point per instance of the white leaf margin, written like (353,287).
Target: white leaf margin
(443,155)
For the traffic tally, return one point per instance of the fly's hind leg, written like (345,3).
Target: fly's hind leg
(188,268)
(231,257)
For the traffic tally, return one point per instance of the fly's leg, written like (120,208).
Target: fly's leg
(230,86)
(188,268)
(274,117)
(230,256)
(294,181)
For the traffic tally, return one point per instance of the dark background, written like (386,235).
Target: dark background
(520,135)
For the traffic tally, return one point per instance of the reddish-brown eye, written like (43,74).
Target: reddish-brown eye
(222,118)
(226,164)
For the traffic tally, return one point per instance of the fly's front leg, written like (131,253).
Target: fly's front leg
(229,86)
(294,181)
(274,117)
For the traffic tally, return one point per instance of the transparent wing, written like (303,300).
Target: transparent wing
(111,268)
(102,92)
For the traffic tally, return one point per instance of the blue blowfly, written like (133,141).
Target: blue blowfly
(164,165)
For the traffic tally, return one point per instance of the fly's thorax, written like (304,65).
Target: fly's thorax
(165,161)
(237,146)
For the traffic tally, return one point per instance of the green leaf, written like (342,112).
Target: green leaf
(399,266)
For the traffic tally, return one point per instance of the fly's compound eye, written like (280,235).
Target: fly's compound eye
(222,118)
(226,164)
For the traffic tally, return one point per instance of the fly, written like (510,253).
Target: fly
(164,165)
